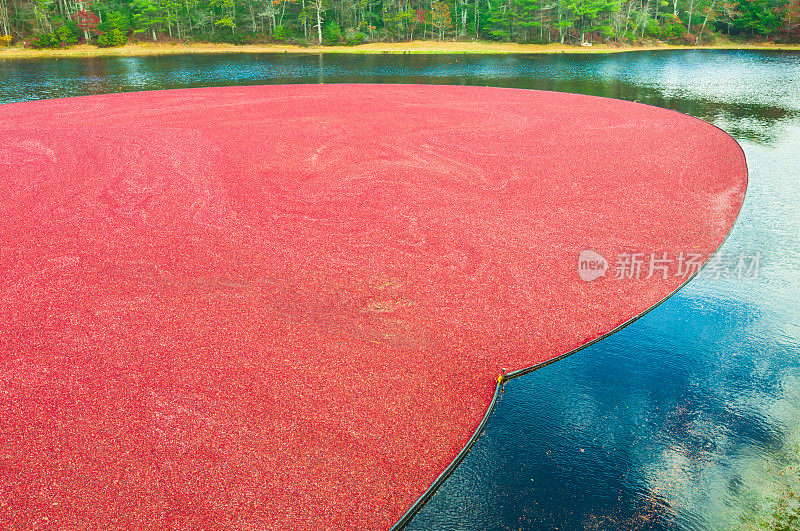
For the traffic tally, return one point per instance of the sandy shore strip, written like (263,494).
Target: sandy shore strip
(415,47)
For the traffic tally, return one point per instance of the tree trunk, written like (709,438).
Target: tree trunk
(319,21)
(4,16)
(305,21)
(477,19)
(541,22)
(188,16)
(705,21)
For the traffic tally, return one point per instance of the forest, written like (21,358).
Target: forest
(61,23)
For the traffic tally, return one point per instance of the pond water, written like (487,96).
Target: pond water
(688,418)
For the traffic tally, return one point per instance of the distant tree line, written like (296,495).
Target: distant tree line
(54,23)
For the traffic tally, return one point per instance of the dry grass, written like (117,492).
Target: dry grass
(416,47)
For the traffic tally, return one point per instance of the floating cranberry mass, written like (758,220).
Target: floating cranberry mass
(288,306)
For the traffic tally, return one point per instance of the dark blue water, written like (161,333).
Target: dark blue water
(690,417)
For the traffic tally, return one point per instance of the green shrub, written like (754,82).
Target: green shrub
(116,20)
(224,35)
(111,39)
(673,32)
(331,33)
(242,37)
(281,34)
(652,29)
(353,37)
(62,36)
(67,34)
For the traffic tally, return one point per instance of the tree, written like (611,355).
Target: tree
(5,22)
(566,19)
(758,18)
(709,12)
(528,16)
(282,3)
(730,13)
(111,38)
(419,18)
(501,20)
(792,26)
(440,18)
(586,12)
(87,22)
(228,12)
(319,7)
(147,16)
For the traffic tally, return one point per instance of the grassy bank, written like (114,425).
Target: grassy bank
(424,47)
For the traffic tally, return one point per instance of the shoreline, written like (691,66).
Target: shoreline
(414,47)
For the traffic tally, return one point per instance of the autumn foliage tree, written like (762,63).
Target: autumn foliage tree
(440,18)
(87,22)
(792,26)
